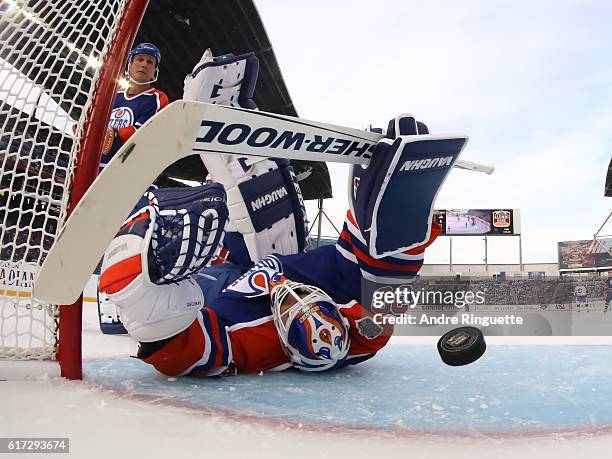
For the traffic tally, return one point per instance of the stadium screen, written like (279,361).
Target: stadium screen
(479,222)
(585,254)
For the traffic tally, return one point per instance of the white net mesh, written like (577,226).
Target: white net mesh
(51,53)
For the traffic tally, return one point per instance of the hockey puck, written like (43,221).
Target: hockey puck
(461,346)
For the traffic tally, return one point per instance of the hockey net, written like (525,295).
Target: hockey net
(59,63)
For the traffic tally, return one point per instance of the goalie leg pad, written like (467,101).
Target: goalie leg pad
(265,206)
(109,317)
(223,80)
(297,202)
(392,199)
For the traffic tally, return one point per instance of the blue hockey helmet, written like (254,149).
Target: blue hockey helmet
(313,333)
(145,48)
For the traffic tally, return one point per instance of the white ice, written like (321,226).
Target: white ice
(35,402)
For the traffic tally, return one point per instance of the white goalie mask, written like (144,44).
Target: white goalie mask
(312,331)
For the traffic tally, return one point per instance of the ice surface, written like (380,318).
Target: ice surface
(405,389)
(552,401)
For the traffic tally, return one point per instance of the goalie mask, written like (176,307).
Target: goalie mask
(312,331)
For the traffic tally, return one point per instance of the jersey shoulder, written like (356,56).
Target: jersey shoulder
(162,97)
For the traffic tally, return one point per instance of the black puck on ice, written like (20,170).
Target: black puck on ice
(461,346)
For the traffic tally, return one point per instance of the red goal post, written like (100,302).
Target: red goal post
(60,61)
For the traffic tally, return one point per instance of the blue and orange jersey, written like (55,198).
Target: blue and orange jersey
(608,288)
(130,113)
(235,332)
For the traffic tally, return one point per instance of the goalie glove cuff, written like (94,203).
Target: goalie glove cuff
(153,312)
(149,312)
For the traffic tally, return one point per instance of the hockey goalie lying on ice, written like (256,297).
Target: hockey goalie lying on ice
(292,308)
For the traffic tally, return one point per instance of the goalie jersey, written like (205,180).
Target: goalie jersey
(235,332)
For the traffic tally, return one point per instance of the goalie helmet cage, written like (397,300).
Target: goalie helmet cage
(60,61)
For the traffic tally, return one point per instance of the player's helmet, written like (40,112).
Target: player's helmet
(312,331)
(144,48)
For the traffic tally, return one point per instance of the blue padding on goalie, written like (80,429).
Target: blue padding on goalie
(407,126)
(291,204)
(422,128)
(297,203)
(394,196)
(248,83)
(237,250)
(267,199)
(403,216)
(179,198)
(367,183)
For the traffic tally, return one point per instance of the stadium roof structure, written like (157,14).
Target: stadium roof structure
(183,29)
(608,185)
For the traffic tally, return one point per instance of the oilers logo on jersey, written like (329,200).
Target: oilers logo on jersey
(121,117)
(256,282)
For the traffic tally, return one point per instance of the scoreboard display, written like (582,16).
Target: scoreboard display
(585,254)
(479,222)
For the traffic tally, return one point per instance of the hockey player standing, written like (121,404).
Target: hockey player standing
(608,292)
(136,104)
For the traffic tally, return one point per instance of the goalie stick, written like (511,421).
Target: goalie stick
(184,128)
